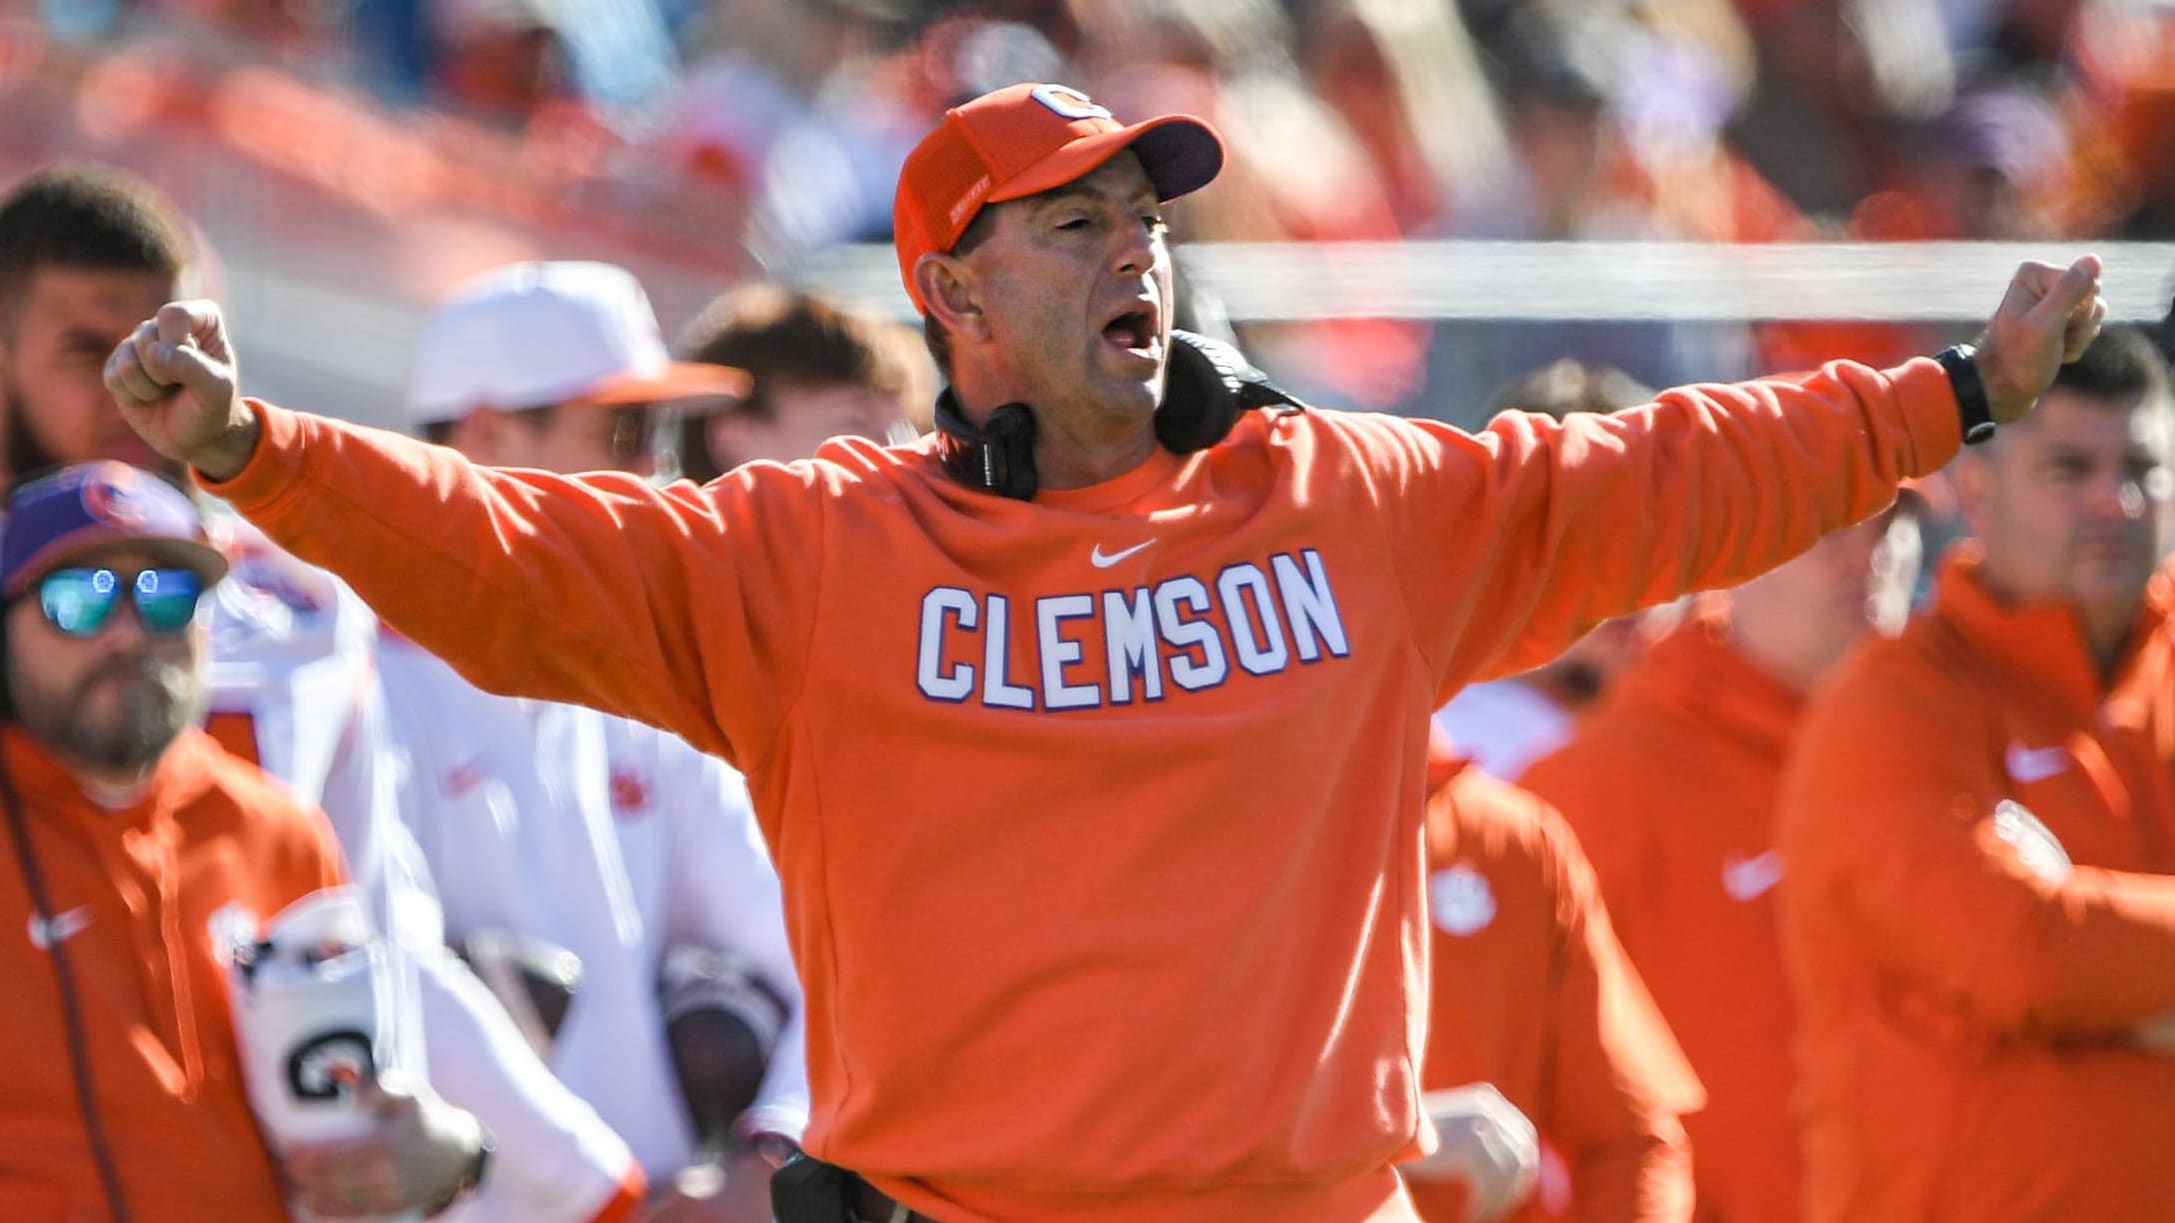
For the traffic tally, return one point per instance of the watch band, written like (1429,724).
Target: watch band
(1976,414)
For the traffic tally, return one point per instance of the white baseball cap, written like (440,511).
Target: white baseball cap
(530,335)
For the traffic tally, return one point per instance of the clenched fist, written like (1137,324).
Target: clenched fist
(2047,318)
(176,382)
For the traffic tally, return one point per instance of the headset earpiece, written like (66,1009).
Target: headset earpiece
(1207,386)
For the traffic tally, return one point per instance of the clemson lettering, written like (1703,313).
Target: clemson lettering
(1182,631)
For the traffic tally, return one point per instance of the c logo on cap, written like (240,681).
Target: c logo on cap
(1067,101)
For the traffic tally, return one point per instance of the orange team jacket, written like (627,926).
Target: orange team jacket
(1533,994)
(1098,815)
(1671,787)
(1963,1006)
(134,892)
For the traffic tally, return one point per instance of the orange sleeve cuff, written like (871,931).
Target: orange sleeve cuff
(1929,412)
(626,1202)
(271,466)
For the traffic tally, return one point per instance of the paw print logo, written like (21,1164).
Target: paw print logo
(1461,900)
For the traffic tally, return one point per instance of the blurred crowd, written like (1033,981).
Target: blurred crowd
(753,133)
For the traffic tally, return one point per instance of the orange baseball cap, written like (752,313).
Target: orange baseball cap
(1023,139)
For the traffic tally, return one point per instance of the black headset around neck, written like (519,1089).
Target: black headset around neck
(1208,385)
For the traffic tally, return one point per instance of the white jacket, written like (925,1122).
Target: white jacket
(616,841)
(293,674)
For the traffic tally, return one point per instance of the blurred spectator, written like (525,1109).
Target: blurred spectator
(529,63)
(816,372)
(1532,993)
(756,69)
(1407,79)
(504,60)
(828,177)
(1564,72)
(1835,77)
(1504,725)
(1987,169)
(1687,70)
(1557,68)
(1671,787)
(2121,118)
(1979,915)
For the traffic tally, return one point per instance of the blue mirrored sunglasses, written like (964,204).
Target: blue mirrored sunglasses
(80,602)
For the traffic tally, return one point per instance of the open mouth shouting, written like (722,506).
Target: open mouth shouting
(1136,332)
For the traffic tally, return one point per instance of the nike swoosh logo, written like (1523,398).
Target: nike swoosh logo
(1750,878)
(2029,764)
(45,934)
(1098,558)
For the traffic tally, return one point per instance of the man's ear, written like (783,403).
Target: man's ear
(952,294)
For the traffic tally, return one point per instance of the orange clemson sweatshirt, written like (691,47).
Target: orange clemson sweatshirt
(1099,815)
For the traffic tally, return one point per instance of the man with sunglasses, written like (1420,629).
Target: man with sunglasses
(130,831)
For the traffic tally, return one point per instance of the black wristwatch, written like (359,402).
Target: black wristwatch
(1972,408)
(471,1176)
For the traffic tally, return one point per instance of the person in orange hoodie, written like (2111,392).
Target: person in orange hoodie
(1089,733)
(1534,997)
(1979,820)
(130,833)
(1688,869)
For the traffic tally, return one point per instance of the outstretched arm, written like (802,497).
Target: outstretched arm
(687,609)
(1539,529)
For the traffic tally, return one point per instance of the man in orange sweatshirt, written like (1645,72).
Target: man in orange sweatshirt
(1534,996)
(1979,821)
(1090,733)
(130,834)
(1671,789)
